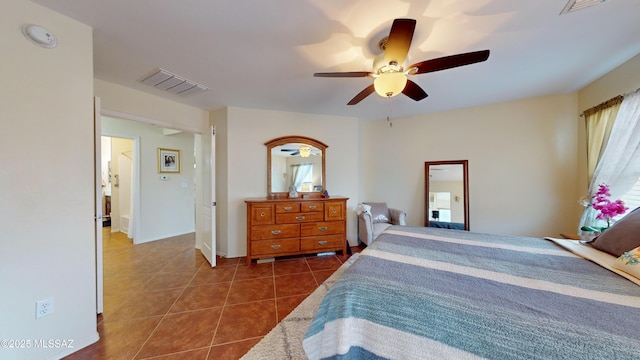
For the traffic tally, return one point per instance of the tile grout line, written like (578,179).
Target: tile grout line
(224,305)
(168,310)
(275,290)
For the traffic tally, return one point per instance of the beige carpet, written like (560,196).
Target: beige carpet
(285,340)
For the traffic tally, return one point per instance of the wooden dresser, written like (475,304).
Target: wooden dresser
(280,227)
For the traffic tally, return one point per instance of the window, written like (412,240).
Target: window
(302,176)
(632,198)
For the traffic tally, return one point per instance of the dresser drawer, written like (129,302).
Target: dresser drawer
(281,231)
(262,214)
(334,210)
(296,226)
(312,206)
(299,218)
(321,243)
(322,228)
(287,207)
(272,247)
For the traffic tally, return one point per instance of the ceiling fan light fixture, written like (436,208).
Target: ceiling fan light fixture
(390,84)
(305,151)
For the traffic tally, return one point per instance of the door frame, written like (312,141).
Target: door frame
(97,194)
(98,114)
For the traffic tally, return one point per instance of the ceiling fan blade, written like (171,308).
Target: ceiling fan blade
(344,74)
(399,40)
(363,94)
(414,91)
(448,62)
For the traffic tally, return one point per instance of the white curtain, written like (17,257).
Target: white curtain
(619,165)
(299,173)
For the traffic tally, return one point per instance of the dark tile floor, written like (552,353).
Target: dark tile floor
(162,300)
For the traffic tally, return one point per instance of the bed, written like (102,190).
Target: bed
(446,225)
(428,293)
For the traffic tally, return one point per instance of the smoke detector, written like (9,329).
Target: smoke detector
(40,36)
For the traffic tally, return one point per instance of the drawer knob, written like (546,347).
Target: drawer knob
(333,210)
(323,228)
(275,232)
(275,247)
(322,242)
(287,208)
(262,214)
(300,218)
(312,207)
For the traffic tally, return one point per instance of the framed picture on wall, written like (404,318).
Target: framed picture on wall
(168,160)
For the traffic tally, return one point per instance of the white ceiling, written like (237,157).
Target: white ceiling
(262,54)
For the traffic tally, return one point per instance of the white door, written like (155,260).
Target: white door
(97,143)
(208,247)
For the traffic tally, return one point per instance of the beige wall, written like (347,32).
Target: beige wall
(622,80)
(47,247)
(527,165)
(522,163)
(242,163)
(137,105)
(522,167)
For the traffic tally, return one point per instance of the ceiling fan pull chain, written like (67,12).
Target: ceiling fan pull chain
(390,112)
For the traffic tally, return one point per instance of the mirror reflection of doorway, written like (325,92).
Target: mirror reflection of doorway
(440,206)
(117,183)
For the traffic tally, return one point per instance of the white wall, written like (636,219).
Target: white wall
(522,163)
(242,163)
(166,206)
(47,247)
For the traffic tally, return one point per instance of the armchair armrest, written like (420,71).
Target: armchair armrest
(398,217)
(365,228)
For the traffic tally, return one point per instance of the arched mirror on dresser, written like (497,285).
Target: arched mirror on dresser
(300,222)
(298,161)
(447,194)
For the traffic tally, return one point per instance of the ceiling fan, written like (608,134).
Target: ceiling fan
(304,151)
(390,76)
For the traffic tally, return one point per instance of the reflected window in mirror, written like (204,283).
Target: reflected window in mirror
(447,194)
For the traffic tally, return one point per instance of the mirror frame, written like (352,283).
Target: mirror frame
(465,180)
(295,139)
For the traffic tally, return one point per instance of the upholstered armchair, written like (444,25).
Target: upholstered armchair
(374,218)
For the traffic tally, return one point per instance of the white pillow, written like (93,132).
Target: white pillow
(629,262)
(363,208)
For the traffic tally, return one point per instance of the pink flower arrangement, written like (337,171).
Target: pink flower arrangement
(606,208)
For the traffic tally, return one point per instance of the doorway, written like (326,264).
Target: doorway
(173,202)
(119,199)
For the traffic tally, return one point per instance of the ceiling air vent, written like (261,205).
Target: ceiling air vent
(167,81)
(575,5)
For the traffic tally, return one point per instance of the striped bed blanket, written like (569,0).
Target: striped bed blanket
(425,293)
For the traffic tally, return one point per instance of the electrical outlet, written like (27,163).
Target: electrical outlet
(44,308)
